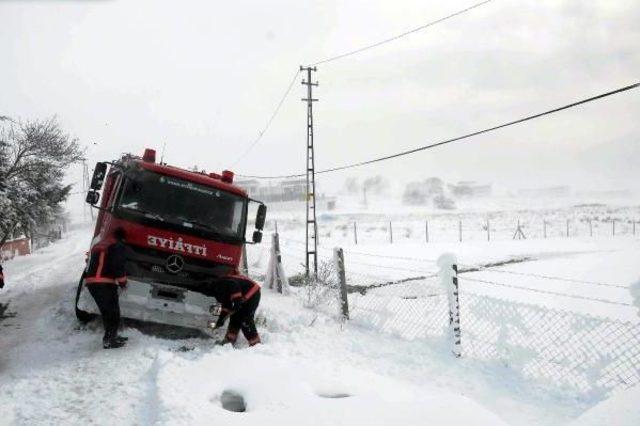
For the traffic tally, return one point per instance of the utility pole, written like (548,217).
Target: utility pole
(312,226)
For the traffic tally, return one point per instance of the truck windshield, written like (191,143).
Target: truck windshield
(185,204)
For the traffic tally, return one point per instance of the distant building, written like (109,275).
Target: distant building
(275,192)
(17,247)
(470,189)
(419,193)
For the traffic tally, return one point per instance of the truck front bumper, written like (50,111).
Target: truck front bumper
(160,303)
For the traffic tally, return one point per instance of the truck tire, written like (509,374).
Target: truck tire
(83,316)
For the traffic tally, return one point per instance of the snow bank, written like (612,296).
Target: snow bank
(287,390)
(621,409)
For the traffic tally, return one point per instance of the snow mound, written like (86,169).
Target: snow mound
(623,408)
(286,390)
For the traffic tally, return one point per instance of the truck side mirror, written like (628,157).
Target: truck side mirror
(261,217)
(92,197)
(98,176)
(257,237)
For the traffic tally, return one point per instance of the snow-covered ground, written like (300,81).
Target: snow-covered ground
(54,371)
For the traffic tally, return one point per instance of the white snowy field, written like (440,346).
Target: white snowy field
(595,261)
(586,268)
(52,371)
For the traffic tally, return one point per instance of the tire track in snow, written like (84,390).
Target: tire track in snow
(47,358)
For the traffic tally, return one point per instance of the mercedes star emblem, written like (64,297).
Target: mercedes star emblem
(174,263)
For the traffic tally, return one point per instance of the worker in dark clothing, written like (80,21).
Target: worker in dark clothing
(1,277)
(240,298)
(104,274)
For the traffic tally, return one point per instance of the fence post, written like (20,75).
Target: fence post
(567,228)
(426,229)
(488,230)
(613,227)
(544,228)
(448,274)
(590,228)
(338,260)
(275,271)
(519,234)
(244,268)
(355,233)
(460,230)
(390,233)
(634,227)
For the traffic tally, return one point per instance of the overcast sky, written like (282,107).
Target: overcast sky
(204,77)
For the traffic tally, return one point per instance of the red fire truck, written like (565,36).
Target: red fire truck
(185,230)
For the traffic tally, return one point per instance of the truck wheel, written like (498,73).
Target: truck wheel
(83,316)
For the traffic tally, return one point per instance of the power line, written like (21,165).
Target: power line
(547,277)
(553,293)
(420,28)
(273,116)
(414,259)
(468,135)
(324,61)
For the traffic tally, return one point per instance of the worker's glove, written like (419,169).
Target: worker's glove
(220,321)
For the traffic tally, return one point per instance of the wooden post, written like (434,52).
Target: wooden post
(544,228)
(448,275)
(590,228)
(338,260)
(519,234)
(634,227)
(488,230)
(613,227)
(390,233)
(355,233)
(426,229)
(460,230)
(567,228)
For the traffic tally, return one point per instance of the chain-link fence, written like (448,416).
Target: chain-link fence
(563,349)
(412,308)
(566,351)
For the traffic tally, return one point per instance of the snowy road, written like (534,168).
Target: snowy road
(55,372)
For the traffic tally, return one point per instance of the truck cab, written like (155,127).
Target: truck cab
(185,231)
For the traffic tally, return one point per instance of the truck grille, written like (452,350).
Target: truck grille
(149,265)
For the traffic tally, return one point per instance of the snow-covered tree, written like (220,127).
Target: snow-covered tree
(34,156)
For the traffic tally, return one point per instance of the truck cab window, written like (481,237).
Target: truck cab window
(183,203)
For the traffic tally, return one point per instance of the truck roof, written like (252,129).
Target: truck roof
(212,180)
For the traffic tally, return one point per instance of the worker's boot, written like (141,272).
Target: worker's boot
(113,343)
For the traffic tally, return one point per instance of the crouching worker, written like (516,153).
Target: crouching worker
(240,299)
(104,274)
